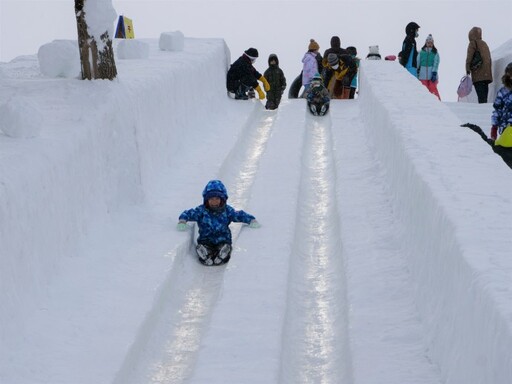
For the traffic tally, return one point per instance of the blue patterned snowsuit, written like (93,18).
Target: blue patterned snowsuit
(502,114)
(214,224)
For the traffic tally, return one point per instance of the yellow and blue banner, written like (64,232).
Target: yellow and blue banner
(124,28)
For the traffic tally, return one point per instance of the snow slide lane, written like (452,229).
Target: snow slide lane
(315,343)
(165,351)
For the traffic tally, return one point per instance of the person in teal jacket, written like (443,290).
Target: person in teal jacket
(428,64)
(213,218)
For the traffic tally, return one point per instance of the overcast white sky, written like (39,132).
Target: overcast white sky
(281,27)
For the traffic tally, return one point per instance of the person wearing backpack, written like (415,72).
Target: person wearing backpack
(428,63)
(480,69)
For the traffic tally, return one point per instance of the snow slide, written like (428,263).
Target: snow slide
(366,269)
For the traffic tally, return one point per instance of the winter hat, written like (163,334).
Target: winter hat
(317,77)
(274,57)
(411,28)
(313,45)
(335,42)
(252,53)
(215,188)
(332,59)
(429,39)
(352,51)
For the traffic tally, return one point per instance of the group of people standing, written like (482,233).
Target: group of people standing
(338,68)
(242,78)
(425,63)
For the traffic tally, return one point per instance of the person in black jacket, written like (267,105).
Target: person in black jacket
(409,51)
(277,81)
(242,76)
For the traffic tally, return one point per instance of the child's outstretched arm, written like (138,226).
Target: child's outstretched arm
(242,217)
(187,215)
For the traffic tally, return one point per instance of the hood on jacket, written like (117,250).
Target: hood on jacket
(411,28)
(335,42)
(274,57)
(215,188)
(475,33)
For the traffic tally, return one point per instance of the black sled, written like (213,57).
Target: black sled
(318,109)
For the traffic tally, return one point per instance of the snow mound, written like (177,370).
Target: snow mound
(20,117)
(60,58)
(132,49)
(171,41)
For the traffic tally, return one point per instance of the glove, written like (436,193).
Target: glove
(266,85)
(261,95)
(182,225)
(434,77)
(494,132)
(254,224)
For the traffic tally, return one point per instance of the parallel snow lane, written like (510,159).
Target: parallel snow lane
(315,335)
(170,353)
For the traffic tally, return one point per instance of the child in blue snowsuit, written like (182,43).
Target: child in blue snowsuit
(213,218)
(502,113)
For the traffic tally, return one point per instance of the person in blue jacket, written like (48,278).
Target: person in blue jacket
(213,218)
(502,112)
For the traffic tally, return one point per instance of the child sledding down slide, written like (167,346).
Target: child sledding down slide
(213,218)
(317,96)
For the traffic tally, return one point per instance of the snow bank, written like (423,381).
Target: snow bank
(460,275)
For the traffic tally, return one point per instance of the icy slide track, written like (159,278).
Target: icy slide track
(456,328)
(166,349)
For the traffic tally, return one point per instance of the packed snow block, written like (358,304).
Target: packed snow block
(60,58)
(171,41)
(132,49)
(20,117)
(465,310)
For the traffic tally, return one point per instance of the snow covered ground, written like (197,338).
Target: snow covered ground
(383,255)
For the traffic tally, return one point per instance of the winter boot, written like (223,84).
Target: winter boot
(241,92)
(224,254)
(205,256)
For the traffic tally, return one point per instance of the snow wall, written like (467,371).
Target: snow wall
(461,280)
